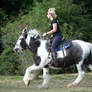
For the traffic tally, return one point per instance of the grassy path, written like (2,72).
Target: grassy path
(58,84)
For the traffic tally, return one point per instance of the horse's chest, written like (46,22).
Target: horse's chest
(37,59)
(40,55)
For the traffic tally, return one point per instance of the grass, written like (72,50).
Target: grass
(58,84)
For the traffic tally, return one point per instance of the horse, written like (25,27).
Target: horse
(78,54)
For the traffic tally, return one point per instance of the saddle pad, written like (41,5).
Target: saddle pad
(62,46)
(65,46)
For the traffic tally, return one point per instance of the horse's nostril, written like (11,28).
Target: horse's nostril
(16,50)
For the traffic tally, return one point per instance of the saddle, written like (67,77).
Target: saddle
(64,44)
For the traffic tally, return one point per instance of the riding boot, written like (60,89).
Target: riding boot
(54,56)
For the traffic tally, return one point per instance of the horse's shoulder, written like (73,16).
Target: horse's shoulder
(41,49)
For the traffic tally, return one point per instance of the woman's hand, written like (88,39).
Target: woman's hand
(44,34)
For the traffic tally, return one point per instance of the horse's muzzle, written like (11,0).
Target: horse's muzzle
(16,50)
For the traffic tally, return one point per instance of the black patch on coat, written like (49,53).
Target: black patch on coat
(34,44)
(25,35)
(23,43)
(74,55)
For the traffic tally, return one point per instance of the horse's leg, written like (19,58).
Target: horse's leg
(30,70)
(28,75)
(46,78)
(81,74)
(89,63)
(90,66)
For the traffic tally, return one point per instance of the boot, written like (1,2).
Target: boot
(54,56)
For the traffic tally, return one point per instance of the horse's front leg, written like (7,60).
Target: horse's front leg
(46,78)
(30,70)
(29,75)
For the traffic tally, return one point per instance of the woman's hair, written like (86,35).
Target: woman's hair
(52,11)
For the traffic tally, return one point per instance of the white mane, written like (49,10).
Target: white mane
(34,33)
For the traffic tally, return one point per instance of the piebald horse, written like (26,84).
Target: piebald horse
(79,53)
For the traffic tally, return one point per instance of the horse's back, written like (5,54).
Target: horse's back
(74,54)
(84,46)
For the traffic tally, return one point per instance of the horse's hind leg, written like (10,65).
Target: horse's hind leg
(81,74)
(90,66)
(89,62)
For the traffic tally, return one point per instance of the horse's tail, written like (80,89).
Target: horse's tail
(90,46)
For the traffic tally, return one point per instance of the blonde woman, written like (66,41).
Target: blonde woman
(55,31)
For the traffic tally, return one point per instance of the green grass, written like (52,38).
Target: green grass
(58,84)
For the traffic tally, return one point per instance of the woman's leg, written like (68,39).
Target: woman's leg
(55,43)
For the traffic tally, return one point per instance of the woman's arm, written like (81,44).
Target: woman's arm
(52,31)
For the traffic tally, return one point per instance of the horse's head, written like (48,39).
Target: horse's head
(33,39)
(26,39)
(21,42)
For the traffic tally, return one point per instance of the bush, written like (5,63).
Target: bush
(75,23)
(8,62)
(3,17)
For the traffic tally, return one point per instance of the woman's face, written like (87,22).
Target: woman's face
(48,15)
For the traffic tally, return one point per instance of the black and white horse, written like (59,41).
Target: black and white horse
(79,53)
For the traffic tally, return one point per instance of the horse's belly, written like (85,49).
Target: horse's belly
(63,62)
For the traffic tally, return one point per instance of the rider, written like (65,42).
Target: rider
(55,30)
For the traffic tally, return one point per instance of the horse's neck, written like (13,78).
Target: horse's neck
(41,50)
(42,44)
(38,45)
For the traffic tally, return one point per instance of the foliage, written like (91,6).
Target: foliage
(3,17)
(75,18)
(8,65)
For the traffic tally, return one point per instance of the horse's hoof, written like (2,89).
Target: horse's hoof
(71,85)
(27,83)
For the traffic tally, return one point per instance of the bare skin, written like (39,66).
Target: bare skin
(51,17)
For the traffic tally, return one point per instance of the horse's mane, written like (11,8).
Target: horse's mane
(34,32)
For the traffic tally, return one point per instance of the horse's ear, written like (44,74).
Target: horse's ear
(24,31)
